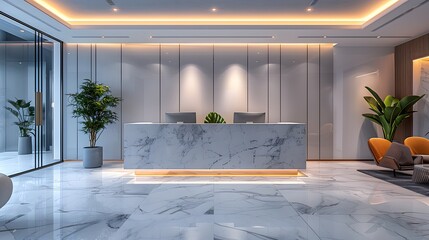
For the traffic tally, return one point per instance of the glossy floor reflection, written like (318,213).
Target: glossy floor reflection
(12,163)
(334,202)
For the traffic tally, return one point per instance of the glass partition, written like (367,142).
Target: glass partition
(30,85)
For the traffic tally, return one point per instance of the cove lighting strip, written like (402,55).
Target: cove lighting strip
(221,173)
(60,15)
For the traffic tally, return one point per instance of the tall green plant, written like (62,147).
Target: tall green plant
(391,112)
(24,113)
(93,105)
(214,117)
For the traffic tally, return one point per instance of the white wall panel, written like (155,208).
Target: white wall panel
(84,71)
(70,131)
(141,83)
(274,83)
(196,79)
(294,83)
(326,101)
(170,77)
(258,79)
(108,71)
(355,68)
(230,80)
(281,80)
(313,109)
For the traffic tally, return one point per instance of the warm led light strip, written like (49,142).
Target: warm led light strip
(213,21)
(220,173)
(256,182)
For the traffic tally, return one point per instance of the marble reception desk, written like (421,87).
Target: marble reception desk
(215,146)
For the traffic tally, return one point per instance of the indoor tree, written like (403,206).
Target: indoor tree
(93,105)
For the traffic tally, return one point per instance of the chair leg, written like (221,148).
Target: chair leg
(394,173)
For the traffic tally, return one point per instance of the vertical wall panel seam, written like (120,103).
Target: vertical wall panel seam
(159,84)
(180,73)
(213,78)
(95,62)
(307,102)
(247,77)
(280,82)
(320,93)
(77,90)
(268,82)
(121,121)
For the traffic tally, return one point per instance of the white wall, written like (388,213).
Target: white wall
(281,80)
(355,68)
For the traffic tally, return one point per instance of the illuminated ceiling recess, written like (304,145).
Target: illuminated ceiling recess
(200,13)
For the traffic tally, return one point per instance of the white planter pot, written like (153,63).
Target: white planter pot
(92,157)
(24,146)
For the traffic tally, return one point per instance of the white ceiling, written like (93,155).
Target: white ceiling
(401,23)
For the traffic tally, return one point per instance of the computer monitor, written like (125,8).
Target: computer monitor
(249,117)
(181,117)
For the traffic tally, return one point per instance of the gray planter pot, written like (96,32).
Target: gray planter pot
(24,146)
(92,157)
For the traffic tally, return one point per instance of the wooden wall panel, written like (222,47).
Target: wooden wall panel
(404,56)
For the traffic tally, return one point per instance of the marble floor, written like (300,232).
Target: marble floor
(334,201)
(12,163)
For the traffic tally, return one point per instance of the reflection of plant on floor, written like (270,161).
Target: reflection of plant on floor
(24,113)
(391,112)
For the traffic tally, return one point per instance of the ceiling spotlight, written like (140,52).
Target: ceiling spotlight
(115,9)
(309,9)
(378,36)
(273,37)
(214,9)
(324,36)
(21,30)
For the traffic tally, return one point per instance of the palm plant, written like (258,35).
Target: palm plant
(24,113)
(391,112)
(93,105)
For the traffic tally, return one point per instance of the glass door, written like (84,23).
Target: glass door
(48,101)
(17,87)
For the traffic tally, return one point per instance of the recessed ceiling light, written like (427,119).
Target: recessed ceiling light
(378,36)
(21,30)
(115,9)
(214,9)
(273,37)
(324,37)
(309,9)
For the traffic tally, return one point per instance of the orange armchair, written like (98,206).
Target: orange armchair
(395,156)
(418,146)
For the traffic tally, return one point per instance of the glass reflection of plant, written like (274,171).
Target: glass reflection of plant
(24,113)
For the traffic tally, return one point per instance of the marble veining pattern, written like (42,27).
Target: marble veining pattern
(215,146)
(335,201)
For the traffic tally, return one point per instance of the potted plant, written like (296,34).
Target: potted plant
(391,112)
(93,105)
(24,113)
(214,117)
